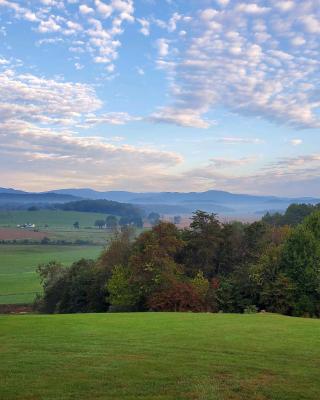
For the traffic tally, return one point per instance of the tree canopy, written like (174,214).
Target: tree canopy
(210,266)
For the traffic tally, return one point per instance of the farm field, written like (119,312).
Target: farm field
(18,279)
(20,234)
(56,225)
(163,356)
(53,218)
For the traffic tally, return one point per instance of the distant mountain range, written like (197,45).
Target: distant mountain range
(224,203)
(17,198)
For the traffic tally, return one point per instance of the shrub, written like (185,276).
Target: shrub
(252,309)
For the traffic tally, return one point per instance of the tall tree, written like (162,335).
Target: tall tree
(111,222)
(203,242)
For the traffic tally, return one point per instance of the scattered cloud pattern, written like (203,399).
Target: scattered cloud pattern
(129,94)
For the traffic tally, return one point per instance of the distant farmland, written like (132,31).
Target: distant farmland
(19,234)
(18,280)
(52,218)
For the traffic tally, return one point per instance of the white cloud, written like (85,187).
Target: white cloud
(140,71)
(251,8)
(222,3)
(113,118)
(185,117)
(285,5)
(222,163)
(298,41)
(248,58)
(296,142)
(163,47)
(311,23)
(239,140)
(78,66)
(104,9)
(145,26)
(84,9)
(49,26)
(97,26)
(39,143)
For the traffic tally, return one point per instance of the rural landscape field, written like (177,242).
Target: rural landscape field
(224,343)
(19,282)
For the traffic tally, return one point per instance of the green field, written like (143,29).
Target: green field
(159,356)
(18,279)
(55,219)
(58,225)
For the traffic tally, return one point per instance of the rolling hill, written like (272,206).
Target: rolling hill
(221,202)
(218,201)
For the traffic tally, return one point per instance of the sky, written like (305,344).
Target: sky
(161,95)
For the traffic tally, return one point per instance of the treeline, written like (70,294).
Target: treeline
(294,215)
(211,266)
(102,206)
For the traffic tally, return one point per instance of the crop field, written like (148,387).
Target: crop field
(18,280)
(161,356)
(20,234)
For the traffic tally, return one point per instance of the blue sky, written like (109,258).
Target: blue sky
(172,95)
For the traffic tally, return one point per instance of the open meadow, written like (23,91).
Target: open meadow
(162,356)
(56,225)
(19,281)
(49,219)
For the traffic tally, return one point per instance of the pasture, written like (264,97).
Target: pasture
(54,219)
(161,356)
(56,225)
(18,278)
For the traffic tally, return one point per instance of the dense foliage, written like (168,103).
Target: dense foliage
(102,206)
(294,215)
(211,266)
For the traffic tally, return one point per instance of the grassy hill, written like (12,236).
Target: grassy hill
(159,356)
(18,279)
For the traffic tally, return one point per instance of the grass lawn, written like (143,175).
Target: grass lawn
(18,279)
(160,356)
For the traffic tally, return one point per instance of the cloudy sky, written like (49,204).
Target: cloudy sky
(150,95)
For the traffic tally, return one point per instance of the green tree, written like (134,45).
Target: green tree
(153,258)
(111,222)
(154,218)
(203,241)
(122,294)
(312,223)
(201,286)
(52,279)
(301,263)
(100,223)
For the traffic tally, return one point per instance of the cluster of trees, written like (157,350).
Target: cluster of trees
(294,215)
(211,266)
(102,206)
(153,218)
(112,223)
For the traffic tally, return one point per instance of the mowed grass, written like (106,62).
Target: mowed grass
(161,356)
(18,278)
